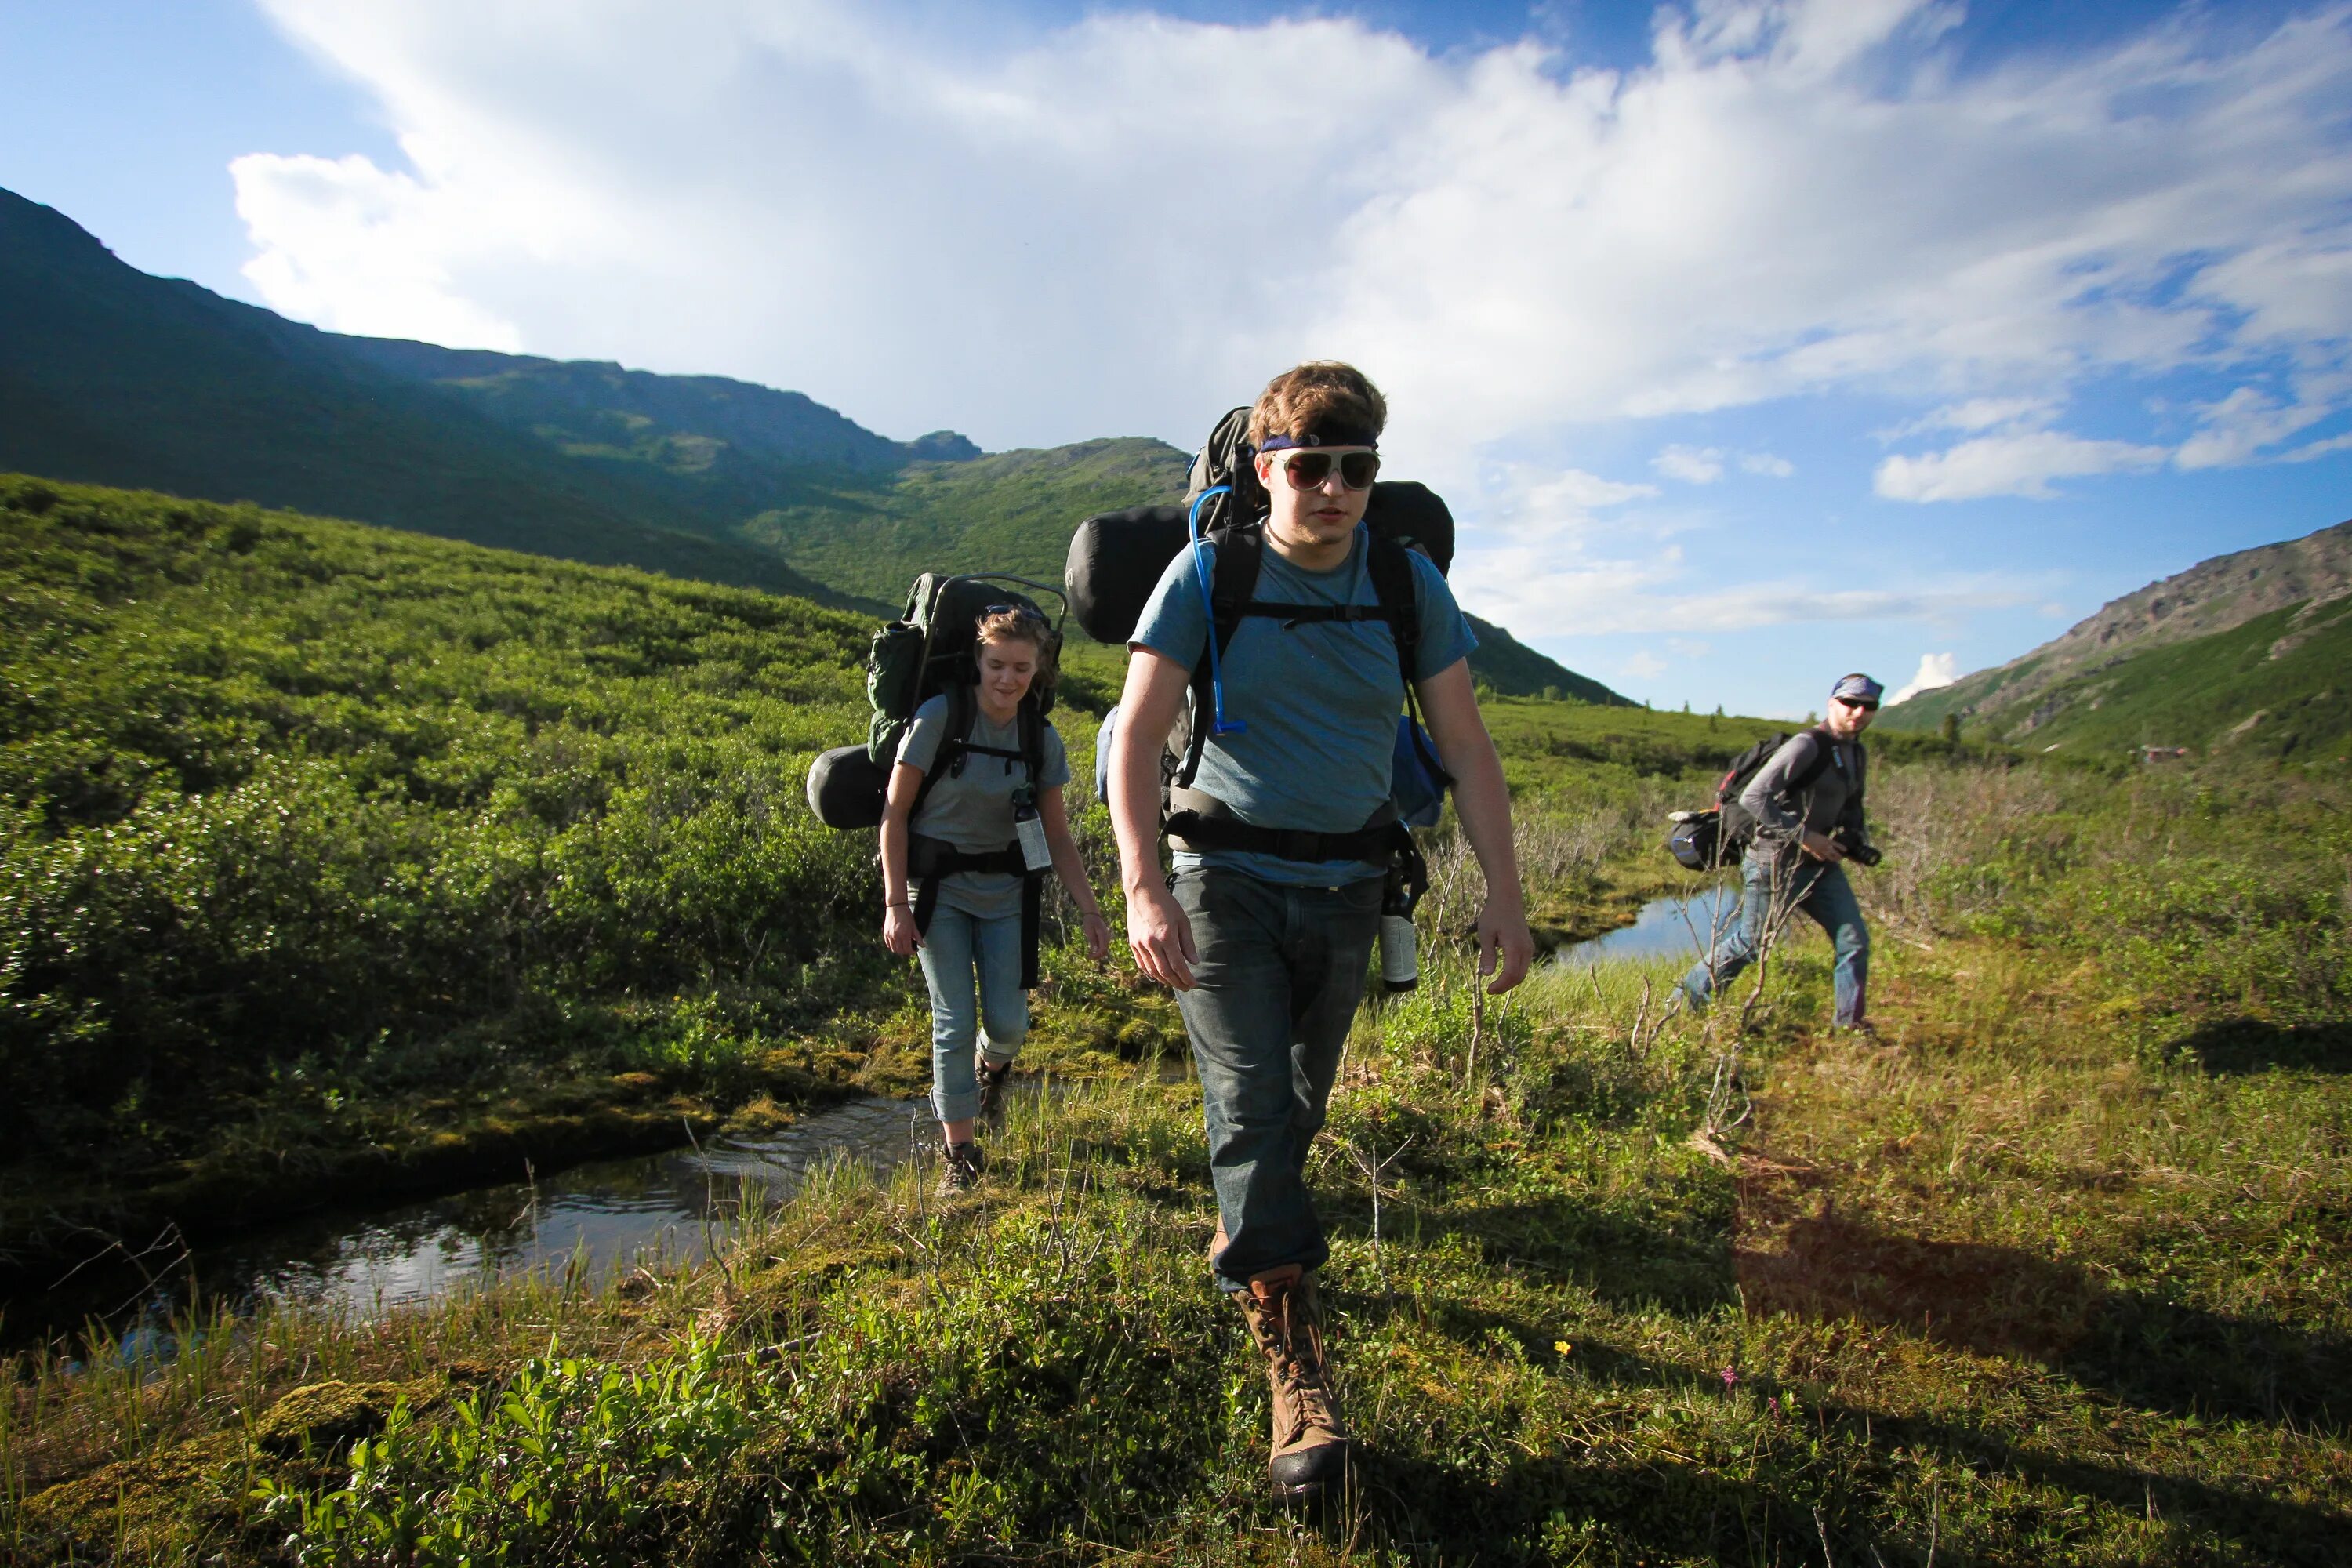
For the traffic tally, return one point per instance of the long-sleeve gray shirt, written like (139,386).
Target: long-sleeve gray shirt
(1833,800)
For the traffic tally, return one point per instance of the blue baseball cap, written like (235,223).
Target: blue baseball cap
(1860,688)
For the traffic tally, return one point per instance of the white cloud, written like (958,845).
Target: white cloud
(931,217)
(2236,429)
(1643,666)
(1935,670)
(1766,464)
(2019,464)
(1691,465)
(1978,414)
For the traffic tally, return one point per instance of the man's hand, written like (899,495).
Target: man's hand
(898,932)
(1159,936)
(1821,847)
(1503,936)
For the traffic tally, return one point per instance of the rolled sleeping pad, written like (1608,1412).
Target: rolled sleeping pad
(846,788)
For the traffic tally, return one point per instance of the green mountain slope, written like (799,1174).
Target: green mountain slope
(732,435)
(108,374)
(278,791)
(2278,686)
(2014,700)
(1009,511)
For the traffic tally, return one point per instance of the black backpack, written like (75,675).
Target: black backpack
(928,651)
(1720,835)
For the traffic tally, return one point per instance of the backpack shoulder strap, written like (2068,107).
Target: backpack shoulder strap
(1238,554)
(1395,583)
(949,758)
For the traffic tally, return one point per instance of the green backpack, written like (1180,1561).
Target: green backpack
(930,649)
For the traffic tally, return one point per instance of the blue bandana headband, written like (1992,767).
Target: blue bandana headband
(1861,688)
(1329,435)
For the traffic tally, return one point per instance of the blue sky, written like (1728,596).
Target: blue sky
(1752,340)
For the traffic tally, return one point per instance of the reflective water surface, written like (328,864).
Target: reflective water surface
(1681,928)
(599,1218)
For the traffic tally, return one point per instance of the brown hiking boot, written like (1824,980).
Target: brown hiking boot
(1310,1445)
(960,1171)
(993,1076)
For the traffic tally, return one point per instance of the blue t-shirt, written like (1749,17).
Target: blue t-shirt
(1320,700)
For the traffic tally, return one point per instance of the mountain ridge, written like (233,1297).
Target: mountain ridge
(111,376)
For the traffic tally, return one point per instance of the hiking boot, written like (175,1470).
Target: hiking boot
(993,1077)
(1310,1445)
(959,1172)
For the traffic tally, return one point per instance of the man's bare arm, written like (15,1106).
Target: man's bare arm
(1450,702)
(1156,932)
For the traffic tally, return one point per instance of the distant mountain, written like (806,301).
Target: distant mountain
(2249,650)
(699,426)
(111,376)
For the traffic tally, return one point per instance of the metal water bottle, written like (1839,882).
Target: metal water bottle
(1399,943)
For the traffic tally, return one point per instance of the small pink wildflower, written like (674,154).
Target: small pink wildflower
(1731,1380)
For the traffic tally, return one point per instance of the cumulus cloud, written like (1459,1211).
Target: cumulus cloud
(933,216)
(1766,464)
(1691,465)
(1935,670)
(1643,666)
(2017,465)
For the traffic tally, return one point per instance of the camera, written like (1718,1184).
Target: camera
(1860,853)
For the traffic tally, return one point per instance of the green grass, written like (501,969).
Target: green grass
(2053,1277)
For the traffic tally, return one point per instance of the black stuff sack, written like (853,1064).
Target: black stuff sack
(846,788)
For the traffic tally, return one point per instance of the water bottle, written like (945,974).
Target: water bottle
(1399,943)
(1035,853)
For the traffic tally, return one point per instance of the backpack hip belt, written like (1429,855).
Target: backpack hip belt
(931,861)
(1198,822)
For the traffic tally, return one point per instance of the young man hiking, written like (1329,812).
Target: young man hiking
(1807,804)
(1266,926)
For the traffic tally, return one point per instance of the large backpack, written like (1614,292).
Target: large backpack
(1117,559)
(930,650)
(1720,835)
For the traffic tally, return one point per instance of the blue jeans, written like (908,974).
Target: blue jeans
(1281,972)
(973,968)
(1824,893)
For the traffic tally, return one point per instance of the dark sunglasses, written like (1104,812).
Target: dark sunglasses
(1308,468)
(1862,702)
(1018,612)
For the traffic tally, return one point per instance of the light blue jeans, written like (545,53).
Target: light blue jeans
(1824,893)
(973,968)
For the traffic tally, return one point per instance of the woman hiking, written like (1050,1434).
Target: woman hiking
(967,925)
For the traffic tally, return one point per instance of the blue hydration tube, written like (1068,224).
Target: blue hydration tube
(1218,724)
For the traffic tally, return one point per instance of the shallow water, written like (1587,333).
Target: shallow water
(602,1219)
(1680,927)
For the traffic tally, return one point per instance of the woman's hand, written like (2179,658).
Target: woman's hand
(1097,936)
(898,932)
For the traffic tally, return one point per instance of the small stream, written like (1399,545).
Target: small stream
(608,1216)
(611,1214)
(1683,928)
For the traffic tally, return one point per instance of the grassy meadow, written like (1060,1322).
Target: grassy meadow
(2054,1272)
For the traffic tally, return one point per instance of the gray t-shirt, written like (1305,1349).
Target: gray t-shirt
(973,810)
(1833,801)
(1319,701)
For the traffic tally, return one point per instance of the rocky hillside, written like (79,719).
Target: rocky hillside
(2023,698)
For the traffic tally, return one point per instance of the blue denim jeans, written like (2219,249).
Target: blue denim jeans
(1281,973)
(1824,893)
(973,968)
